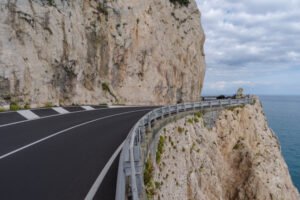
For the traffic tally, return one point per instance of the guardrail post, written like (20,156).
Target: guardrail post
(154,120)
(169,109)
(162,113)
(177,108)
(220,103)
(149,121)
(142,132)
(140,135)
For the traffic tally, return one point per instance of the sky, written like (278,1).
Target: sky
(251,44)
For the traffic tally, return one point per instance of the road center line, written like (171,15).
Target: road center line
(65,130)
(98,181)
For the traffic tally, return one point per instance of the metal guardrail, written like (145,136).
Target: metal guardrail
(130,172)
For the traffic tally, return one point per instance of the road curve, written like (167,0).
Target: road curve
(60,157)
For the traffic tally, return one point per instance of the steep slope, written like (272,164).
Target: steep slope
(234,156)
(88,51)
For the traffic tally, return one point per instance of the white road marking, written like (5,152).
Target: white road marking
(102,175)
(87,108)
(63,131)
(28,114)
(60,110)
(49,116)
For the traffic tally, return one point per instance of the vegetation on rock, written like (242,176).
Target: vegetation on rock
(160,149)
(148,178)
(181,2)
(14,106)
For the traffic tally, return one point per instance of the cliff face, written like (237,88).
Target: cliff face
(236,156)
(88,51)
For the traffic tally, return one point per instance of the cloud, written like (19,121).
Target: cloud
(250,40)
(220,86)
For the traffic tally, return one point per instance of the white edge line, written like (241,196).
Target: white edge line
(92,192)
(65,130)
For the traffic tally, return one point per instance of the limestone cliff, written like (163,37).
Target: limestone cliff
(235,156)
(90,52)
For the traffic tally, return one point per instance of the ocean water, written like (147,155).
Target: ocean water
(283,114)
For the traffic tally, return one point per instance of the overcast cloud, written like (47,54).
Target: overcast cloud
(252,44)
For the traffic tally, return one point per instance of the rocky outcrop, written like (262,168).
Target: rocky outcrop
(90,52)
(234,156)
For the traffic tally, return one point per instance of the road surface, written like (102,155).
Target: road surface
(61,156)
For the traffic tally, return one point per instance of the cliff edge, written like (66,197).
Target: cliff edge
(91,52)
(228,154)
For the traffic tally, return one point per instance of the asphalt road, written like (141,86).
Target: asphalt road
(60,157)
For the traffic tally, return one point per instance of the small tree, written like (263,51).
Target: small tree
(239,93)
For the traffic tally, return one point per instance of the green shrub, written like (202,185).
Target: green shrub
(101,8)
(238,145)
(160,149)
(180,129)
(148,172)
(234,107)
(48,105)
(181,2)
(157,184)
(190,120)
(198,114)
(196,120)
(148,178)
(51,2)
(105,105)
(27,106)
(14,106)
(2,109)
(105,87)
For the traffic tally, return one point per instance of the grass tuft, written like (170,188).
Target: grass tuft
(148,178)
(160,149)
(48,105)
(14,106)
(180,129)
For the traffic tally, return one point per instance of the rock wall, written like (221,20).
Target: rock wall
(236,156)
(90,52)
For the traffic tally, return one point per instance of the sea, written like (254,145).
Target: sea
(283,115)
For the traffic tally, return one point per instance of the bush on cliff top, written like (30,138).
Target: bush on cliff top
(181,2)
